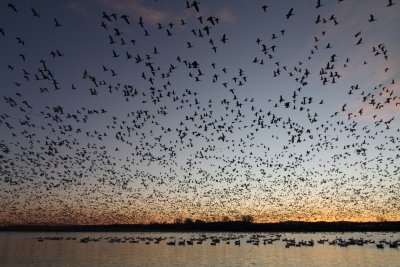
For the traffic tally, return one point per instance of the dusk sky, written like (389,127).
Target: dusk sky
(134,111)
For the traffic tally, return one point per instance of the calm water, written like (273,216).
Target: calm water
(118,249)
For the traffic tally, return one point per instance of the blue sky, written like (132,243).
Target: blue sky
(284,119)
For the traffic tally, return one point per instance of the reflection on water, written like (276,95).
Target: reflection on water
(199,249)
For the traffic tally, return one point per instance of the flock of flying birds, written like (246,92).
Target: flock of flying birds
(188,137)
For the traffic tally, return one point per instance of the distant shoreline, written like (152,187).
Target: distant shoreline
(233,226)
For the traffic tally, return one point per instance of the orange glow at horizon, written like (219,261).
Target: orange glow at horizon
(93,216)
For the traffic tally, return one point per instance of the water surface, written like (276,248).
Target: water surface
(117,249)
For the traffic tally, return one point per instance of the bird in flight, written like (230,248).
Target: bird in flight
(371,18)
(264,7)
(12,6)
(290,13)
(390,3)
(34,12)
(56,23)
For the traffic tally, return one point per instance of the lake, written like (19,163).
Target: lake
(199,249)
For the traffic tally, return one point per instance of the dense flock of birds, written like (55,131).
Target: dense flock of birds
(187,136)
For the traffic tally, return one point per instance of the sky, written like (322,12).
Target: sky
(135,111)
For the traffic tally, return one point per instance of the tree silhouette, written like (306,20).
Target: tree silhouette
(247,218)
(188,221)
(178,221)
(226,219)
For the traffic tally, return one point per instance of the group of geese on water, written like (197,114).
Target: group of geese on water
(236,239)
(178,149)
